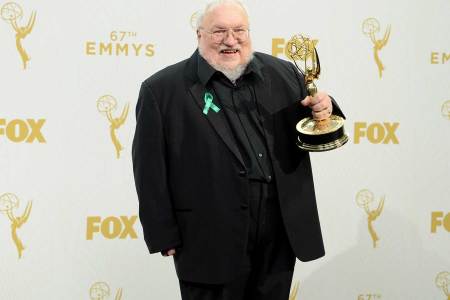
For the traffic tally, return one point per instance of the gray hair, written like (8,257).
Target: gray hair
(213,4)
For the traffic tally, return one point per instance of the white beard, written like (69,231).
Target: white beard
(231,74)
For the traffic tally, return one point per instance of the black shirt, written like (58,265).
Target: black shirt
(240,106)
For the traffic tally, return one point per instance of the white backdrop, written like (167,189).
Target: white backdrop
(71,179)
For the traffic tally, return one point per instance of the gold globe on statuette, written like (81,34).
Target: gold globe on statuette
(314,135)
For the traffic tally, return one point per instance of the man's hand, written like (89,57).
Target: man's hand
(320,104)
(170,252)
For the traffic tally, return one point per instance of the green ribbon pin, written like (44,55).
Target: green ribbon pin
(209,104)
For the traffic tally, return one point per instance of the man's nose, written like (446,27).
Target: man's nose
(230,40)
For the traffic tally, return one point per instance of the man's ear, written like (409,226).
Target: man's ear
(198,34)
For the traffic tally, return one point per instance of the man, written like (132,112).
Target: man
(222,186)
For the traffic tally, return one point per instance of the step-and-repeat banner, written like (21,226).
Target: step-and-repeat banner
(70,75)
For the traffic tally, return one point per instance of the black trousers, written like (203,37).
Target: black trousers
(269,264)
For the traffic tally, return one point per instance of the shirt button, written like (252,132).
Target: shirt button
(269,178)
(260,154)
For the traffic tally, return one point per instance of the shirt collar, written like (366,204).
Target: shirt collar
(255,66)
(206,71)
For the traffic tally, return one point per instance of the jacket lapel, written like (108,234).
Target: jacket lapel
(217,120)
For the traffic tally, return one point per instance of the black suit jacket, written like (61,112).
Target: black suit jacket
(191,180)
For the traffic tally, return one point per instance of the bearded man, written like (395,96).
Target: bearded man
(222,186)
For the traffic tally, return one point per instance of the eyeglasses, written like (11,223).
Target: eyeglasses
(218,35)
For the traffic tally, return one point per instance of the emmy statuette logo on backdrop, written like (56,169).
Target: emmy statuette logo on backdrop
(11,12)
(106,105)
(8,202)
(443,282)
(101,291)
(370,27)
(363,199)
(445,110)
